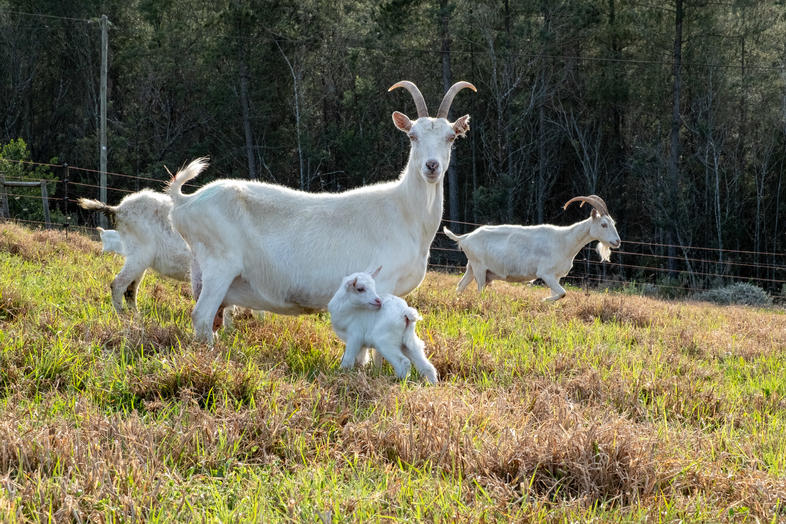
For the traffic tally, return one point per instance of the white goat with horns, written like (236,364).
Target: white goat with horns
(272,248)
(524,253)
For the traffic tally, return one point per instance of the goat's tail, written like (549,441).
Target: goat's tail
(451,235)
(411,316)
(183,175)
(96,205)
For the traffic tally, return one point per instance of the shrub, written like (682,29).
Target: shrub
(740,293)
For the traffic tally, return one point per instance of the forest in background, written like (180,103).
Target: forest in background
(674,111)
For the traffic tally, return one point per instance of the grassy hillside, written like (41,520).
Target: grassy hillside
(602,406)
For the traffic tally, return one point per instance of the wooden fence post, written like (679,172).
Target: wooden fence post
(4,211)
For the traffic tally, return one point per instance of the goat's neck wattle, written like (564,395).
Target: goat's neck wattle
(578,236)
(422,202)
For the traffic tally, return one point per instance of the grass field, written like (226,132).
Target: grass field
(604,407)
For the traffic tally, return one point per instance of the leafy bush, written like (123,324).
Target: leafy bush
(740,293)
(25,202)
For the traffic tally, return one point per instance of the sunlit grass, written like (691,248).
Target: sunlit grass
(601,406)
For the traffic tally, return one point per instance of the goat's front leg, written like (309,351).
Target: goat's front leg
(352,352)
(557,290)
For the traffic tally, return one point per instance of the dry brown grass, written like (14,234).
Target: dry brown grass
(12,305)
(132,332)
(600,407)
(42,245)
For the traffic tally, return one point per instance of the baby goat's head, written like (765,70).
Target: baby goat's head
(431,138)
(602,227)
(361,290)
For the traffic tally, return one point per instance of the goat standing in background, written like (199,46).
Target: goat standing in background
(111,241)
(147,239)
(524,253)
(269,247)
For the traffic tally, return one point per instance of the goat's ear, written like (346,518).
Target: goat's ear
(402,121)
(351,283)
(100,229)
(376,272)
(594,214)
(461,126)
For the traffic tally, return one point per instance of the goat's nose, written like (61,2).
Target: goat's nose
(432,165)
(378,302)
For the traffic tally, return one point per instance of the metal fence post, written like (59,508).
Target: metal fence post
(45,203)
(67,222)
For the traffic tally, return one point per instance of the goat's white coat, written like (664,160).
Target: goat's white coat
(148,241)
(363,319)
(524,253)
(111,241)
(268,247)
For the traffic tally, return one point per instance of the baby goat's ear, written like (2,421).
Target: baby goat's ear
(351,283)
(376,272)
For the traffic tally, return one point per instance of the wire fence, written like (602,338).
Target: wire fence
(638,265)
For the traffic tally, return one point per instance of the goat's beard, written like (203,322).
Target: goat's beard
(431,195)
(604,250)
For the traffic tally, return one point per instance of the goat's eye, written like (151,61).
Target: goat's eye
(412,138)
(604,225)
(361,289)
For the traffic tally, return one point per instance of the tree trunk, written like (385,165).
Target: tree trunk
(303,178)
(252,169)
(453,189)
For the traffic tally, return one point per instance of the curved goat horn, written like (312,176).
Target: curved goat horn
(593,200)
(447,100)
(420,103)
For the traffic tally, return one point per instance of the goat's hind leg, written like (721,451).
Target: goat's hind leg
(393,354)
(557,291)
(416,353)
(215,285)
(126,284)
(466,279)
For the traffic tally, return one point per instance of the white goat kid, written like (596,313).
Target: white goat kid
(269,247)
(524,253)
(363,319)
(111,241)
(147,240)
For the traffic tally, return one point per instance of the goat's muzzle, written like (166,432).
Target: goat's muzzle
(432,171)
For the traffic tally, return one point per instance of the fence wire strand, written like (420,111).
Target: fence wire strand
(610,271)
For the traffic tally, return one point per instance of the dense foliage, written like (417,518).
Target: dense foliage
(574,97)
